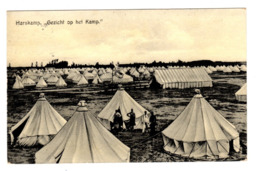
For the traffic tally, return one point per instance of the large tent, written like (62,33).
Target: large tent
(123,101)
(241,94)
(83,140)
(38,126)
(200,131)
(183,78)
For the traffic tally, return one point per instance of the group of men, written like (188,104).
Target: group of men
(147,122)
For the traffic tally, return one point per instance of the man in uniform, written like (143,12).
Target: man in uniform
(152,123)
(131,115)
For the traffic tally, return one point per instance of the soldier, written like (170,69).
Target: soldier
(145,122)
(152,123)
(132,120)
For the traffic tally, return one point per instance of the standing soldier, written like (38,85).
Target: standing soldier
(145,122)
(118,121)
(152,123)
(132,119)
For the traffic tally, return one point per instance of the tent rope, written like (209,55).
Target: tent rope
(150,137)
(223,147)
(192,148)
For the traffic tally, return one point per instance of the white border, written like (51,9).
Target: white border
(252,57)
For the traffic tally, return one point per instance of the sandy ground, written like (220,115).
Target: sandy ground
(166,104)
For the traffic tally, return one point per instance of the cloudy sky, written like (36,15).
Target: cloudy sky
(127,36)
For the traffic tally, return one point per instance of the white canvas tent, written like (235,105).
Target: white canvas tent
(243,68)
(125,102)
(72,74)
(200,131)
(18,83)
(37,126)
(41,83)
(182,78)
(61,83)
(241,94)
(76,78)
(107,77)
(227,70)
(52,80)
(83,140)
(82,81)
(88,75)
(97,80)
(124,79)
(28,81)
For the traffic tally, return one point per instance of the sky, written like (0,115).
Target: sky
(127,36)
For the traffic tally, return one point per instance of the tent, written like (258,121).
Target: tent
(125,102)
(18,77)
(208,70)
(82,81)
(235,69)
(28,81)
(46,75)
(182,78)
(94,72)
(83,140)
(52,80)
(125,79)
(101,71)
(106,77)
(213,69)
(88,75)
(243,68)
(146,74)
(71,74)
(76,78)
(41,83)
(241,94)
(18,83)
(61,82)
(109,70)
(96,80)
(200,131)
(227,69)
(134,73)
(38,126)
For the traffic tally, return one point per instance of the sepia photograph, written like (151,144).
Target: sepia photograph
(126,86)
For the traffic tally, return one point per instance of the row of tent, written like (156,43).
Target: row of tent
(20,83)
(198,131)
(168,78)
(135,72)
(226,69)
(89,73)
(105,73)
